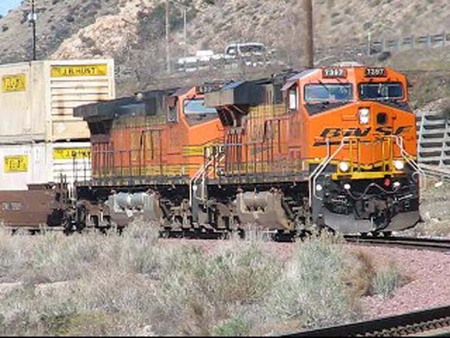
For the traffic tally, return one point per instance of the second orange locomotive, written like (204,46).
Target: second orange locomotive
(333,147)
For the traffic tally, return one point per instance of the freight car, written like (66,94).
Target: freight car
(332,147)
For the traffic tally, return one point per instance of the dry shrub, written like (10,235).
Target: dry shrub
(359,273)
(387,279)
(93,323)
(363,279)
(198,291)
(445,108)
(435,212)
(232,328)
(116,292)
(239,275)
(56,257)
(430,228)
(275,327)
(312,289)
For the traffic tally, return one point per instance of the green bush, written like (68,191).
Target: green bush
(232,328)
(386,281)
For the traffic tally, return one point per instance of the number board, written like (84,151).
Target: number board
(208,88)
(375,72)
(15,164)
(14,83)
(334,72)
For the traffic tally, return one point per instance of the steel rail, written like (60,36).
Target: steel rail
(401,325)
(436,244)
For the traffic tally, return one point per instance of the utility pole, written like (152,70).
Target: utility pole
(184,33)
(184,10)
(167,37)
(32,19)
(309,43)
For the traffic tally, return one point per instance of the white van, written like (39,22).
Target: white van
(246,49)
(252,53)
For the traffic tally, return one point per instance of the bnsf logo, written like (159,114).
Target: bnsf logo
(340,132)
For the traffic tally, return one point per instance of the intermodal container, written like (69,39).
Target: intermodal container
(37,98)
(41,163)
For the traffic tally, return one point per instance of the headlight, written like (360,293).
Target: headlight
(319,187)
(399,165)
(364,115)
(347,186)
(344,166)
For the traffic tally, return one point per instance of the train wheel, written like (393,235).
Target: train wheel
(120,230)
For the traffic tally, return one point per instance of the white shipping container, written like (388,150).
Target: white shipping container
(37,98)
(40,163)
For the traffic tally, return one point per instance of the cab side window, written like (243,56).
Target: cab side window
(172,113)
(293,98)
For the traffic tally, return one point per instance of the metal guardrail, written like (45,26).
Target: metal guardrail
(375,46)
(402,325)
(367,47)
(433,131)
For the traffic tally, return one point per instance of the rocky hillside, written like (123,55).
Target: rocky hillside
(132,31)
(58,20)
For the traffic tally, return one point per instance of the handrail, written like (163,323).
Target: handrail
(437,172)
(321,167)
(201,173)
(407,157)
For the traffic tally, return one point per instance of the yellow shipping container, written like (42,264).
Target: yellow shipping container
(37,98)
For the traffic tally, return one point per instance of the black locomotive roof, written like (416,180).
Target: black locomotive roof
(138,104)
(249,93)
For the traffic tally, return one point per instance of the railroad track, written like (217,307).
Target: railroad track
(436,244)
(434,321)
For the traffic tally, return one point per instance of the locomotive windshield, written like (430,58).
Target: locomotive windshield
(381,91)
(194,107)
(328,92)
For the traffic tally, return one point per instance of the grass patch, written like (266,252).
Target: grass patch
(232,328)
(386,281)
